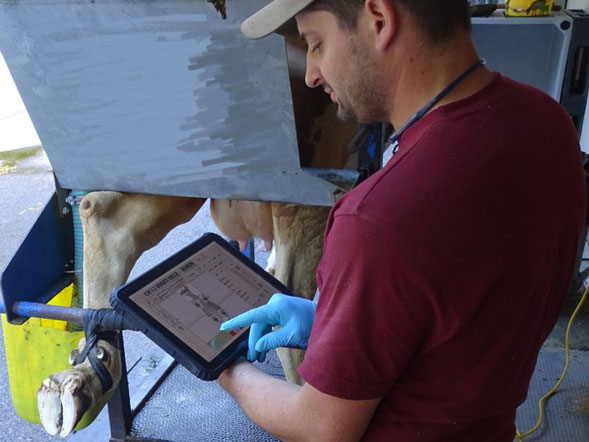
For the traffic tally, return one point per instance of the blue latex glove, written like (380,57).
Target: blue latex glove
(294,316)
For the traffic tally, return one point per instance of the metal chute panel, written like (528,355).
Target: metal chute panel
(159,97)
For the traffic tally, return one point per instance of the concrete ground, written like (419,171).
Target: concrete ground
(185,409)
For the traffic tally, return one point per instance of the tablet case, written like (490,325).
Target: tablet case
(165,339)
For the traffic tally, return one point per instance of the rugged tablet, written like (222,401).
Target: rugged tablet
(180,303)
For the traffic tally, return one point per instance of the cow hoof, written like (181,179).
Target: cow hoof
(49,404)
(62,400)
(75,401)
(65,397)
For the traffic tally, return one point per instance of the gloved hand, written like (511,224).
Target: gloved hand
(294,315)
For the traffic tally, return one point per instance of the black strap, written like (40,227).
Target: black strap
(394,138)
(100,324)
(425,109)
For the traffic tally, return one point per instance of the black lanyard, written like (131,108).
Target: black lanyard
(394,139)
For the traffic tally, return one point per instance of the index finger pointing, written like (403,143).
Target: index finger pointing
(258,314)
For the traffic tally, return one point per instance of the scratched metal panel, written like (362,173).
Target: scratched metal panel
(159,97)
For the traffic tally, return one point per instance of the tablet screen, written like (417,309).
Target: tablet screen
(193,298)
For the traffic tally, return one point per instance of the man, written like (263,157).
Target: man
(444,272)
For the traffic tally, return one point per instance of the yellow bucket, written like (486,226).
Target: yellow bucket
(528,8)
(35,350)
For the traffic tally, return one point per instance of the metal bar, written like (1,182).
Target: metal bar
(38,310)
(109,319)
(119,406)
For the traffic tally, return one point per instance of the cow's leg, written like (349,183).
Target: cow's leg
(118,228)
(298,238)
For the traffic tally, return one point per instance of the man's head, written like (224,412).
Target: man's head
(355,46)
(438,19)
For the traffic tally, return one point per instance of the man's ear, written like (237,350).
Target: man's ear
(382,17)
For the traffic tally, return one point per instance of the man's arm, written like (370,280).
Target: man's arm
(294,413)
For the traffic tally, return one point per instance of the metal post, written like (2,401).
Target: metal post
(119,406)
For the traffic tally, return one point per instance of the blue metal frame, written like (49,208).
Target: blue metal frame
(38,270)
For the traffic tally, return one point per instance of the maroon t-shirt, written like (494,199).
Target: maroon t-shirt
(443,273)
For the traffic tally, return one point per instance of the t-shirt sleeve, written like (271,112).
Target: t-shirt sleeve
(374,313)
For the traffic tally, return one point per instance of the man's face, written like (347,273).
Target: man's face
(342,63)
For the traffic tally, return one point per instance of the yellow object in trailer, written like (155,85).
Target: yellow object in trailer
(35,350)
(528,8)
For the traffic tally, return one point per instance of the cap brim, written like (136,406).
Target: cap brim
(272,17)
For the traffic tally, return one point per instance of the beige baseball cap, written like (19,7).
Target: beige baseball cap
(272,16)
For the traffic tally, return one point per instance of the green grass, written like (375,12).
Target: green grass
(9,159)
(20,154)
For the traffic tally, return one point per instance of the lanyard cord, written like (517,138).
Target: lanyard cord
(421,112)
(394,138)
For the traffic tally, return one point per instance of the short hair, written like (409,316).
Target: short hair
(438,19)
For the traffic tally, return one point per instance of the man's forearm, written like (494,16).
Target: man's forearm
(269,402)
(294,413)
